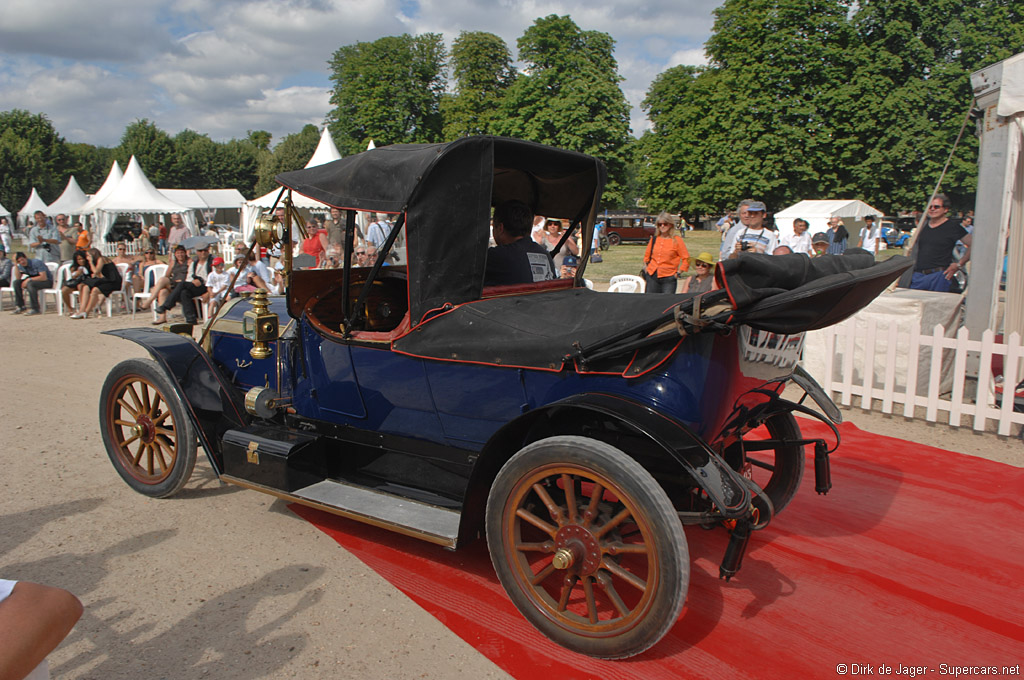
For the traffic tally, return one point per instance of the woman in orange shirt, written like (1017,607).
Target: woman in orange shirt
(666,256)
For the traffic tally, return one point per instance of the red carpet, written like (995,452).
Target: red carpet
(913,559)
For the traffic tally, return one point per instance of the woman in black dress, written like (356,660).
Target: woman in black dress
(105,280)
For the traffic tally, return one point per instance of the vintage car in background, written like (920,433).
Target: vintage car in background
(578,431)
(628,226)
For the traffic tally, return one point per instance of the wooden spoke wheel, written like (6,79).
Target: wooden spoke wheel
(588,546)
(146,431)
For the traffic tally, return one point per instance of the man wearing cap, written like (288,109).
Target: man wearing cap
(569,265)
(869,236)
(752,236)
(819,244)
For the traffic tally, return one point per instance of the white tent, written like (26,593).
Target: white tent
(33,204)
(817,214)
(71,201)
(136,194)
(209,202)
(112,180)
(4,212)
(326,151)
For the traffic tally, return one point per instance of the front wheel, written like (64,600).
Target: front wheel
(145,429)
(588,546)
(614,239)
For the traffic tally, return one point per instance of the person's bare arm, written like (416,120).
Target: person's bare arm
(33,621)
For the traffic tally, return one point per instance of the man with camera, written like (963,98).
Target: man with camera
(751,236)
(43,237)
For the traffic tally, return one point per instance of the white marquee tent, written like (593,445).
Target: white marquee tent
(70,202)
(33,204)
(326,151)
(113,177)
(818,212)
(135,194)
(4,212)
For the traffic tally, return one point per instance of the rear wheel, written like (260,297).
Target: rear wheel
(588,546)
(777,470)
(147,433)
(614,238)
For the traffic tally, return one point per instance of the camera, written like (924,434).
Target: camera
(745,246)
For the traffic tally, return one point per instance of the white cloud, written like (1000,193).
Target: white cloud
(227,66)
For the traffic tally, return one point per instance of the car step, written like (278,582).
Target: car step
(401,515)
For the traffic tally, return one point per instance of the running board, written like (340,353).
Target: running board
(401,515)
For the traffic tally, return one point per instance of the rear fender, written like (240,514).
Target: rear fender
(213,405)
(664,438)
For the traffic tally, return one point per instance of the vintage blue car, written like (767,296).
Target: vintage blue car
(578,431)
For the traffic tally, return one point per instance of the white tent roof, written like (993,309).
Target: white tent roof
(112,180)
(4,212)
(136,194)
(71,201)
(818,212)
(206,199)
(325,152)
(33,204)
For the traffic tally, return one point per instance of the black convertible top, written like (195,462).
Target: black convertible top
(446,191)
(782,294)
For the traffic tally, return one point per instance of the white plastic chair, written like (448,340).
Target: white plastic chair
(588,283)
(150,278)
(58,280)
(7,289)
(639,284)
(126,288)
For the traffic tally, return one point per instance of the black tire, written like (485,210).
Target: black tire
(614,239)
(778,472)
(625,539)
(138,405)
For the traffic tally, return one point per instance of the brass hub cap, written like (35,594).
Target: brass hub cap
(577,547)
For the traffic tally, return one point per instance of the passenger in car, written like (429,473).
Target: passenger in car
(516,258)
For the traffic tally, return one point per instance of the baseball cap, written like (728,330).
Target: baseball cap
(217,261)
(571,261)
(820,237)
(756,206)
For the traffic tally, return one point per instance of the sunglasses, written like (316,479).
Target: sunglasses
(702,264)
(936,207)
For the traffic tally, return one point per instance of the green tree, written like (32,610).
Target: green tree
(292,153)
(153,149)
(388,90)
(32,154)
(89,164)
(909,89)
(824,99)
(239,166)
(259,139)
(482,66)
(569,96)
(198,163)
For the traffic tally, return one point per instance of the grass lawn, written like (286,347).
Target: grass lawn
(627,258)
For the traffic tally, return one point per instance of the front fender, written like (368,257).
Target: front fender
(210,400)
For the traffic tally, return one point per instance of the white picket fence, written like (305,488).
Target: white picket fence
(929,376)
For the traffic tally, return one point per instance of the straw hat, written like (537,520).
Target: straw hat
(705,257)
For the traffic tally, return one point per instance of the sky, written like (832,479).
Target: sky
(223,67)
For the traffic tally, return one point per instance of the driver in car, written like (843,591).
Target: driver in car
(516,258)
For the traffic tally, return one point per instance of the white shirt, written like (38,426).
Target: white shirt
(869,237)
(798,244)
(758,240)
(218,282)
